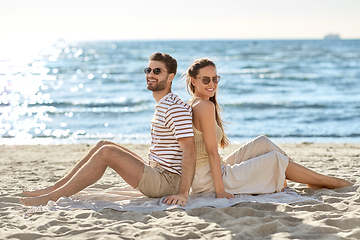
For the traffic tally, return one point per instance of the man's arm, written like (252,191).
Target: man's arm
(188,162)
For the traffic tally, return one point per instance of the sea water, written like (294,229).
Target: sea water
(289,90)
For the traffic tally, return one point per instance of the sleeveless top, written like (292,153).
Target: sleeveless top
(202,157)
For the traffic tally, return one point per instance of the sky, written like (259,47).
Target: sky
(39,21)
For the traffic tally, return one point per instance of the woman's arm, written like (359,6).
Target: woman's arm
(204,121)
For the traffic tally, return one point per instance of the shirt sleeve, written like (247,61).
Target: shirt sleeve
(179,120)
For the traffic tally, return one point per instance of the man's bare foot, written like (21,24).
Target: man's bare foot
(35,201)
(36,193)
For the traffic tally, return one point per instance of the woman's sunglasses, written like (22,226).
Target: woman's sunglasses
(206,80)
(156,71)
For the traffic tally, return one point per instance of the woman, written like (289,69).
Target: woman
(257,167)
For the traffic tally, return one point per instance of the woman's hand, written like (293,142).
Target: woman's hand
(225,195)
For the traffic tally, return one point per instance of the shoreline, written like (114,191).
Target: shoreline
(336,216)
(278,140)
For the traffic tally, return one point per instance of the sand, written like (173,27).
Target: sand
(337,216)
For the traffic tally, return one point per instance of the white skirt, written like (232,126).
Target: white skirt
(255,168)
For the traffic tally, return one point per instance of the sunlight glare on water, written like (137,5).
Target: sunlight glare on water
(304,90)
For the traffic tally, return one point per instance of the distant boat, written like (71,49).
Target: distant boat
(332,37)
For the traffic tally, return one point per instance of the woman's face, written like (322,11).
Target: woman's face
(205,91)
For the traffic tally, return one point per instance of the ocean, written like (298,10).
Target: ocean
(289,90)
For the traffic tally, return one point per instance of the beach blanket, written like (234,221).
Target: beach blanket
(129,199)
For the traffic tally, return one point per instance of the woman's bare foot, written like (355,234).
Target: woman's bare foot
(343,183)
(313,186)
(285,185)
(336,183)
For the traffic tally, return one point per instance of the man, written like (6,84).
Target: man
(172,153)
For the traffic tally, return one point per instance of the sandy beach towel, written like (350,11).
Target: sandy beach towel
(129,199)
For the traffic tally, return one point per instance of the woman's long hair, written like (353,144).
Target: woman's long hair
(192,72)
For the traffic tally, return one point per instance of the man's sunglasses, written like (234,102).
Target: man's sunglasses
(156,71)
(206,80)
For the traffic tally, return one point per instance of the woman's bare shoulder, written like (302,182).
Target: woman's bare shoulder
(203,107)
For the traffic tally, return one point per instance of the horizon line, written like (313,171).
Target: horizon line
(206,39)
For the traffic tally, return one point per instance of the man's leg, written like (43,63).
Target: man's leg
(76,168)
(128,165)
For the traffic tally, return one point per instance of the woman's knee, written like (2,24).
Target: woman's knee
(262,139)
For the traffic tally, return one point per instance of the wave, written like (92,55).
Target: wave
(245,70)
(277,105)
(76,137)
(352,135)
(128,103)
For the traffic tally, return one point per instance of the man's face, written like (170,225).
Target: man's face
(157,82)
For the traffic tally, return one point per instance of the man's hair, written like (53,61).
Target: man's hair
(169,61)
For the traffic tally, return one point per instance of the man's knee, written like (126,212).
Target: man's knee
(105,153)
(109,153)
(102,143)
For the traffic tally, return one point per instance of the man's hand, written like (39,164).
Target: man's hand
(177,199)
(188,162)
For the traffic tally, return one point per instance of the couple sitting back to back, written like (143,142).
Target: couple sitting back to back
(184,149)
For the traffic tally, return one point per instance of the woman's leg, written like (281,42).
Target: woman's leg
(254,148)
(127,164)
(262,174)
(300,174)
(76,168)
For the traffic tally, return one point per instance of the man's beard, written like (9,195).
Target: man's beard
(160,85)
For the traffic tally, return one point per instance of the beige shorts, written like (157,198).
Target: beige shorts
(158,182)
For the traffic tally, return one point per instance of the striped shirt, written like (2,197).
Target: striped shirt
(172,120)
